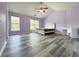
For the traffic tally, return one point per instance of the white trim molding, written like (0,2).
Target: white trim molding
(2,49)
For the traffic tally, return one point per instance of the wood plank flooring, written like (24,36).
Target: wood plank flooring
(36,45)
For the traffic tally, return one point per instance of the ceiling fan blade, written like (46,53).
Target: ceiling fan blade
(46,8)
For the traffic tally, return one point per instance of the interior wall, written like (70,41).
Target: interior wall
(3,9)
(73,18)
(24,23)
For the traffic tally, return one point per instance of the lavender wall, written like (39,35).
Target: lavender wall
(58,17)
(73,18)
(41,23)
(3,10)
(64,18)
(24,23)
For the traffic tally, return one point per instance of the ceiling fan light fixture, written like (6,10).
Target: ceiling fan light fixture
(42,8)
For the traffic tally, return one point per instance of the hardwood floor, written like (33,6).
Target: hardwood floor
(36,45)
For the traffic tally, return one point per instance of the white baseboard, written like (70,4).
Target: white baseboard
(2,49)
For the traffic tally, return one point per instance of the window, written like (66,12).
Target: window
(34,24)
(15,23)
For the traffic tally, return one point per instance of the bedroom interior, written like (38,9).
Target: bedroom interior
(39,29)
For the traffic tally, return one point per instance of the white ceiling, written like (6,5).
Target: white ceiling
(27,8)
(62,5)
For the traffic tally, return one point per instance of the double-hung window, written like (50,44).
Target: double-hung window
(34,24)
(15,23)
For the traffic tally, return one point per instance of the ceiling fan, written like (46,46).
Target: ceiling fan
(41,8)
